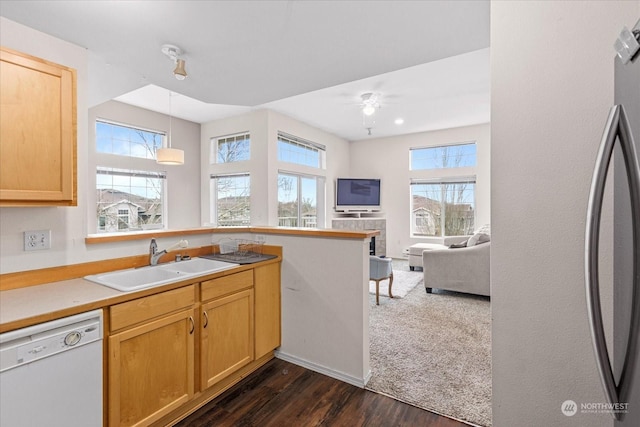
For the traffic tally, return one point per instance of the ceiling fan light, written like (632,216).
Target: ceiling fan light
(180,72)
(169,156)
(368,110)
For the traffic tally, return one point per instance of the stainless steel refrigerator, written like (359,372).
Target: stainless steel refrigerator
(618,162)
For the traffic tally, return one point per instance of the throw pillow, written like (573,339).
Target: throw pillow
(477,239)
(481,235)
(458,245)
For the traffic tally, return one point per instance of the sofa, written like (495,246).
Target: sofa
(462,269)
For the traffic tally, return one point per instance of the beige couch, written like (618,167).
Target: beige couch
(461,269)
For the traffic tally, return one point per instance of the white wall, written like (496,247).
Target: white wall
(388,159)
(69,225)
(325,305)
(552,86)
(263,125)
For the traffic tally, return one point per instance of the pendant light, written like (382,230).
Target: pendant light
(168,155)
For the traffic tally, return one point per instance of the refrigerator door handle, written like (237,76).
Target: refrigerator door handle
(617,127)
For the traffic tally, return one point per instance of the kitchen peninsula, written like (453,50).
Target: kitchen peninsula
(315,302)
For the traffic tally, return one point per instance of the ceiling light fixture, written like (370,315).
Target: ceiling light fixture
(369,103)
(168,155)
(173,53)
(399,121)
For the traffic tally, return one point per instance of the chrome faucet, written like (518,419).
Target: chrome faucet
(154,254)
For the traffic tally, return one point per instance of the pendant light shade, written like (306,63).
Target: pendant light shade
(167,155)
(170,156)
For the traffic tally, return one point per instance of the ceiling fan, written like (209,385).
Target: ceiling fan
(370,103)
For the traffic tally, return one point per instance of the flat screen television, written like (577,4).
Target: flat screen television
(357,195)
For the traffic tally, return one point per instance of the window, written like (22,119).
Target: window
(444,157)
(292,149)
(234,148)
(301,187)
(443,186)
(127,141)
(231,200)
(443,208)
(297,200)
(129,200)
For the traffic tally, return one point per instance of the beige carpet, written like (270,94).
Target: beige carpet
(433,351)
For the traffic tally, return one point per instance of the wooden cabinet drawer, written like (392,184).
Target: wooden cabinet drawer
(142,309)
(226,285)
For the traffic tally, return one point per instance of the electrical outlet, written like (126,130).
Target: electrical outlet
(37,240)
(261,238)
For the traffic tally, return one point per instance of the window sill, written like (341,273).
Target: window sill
(314,232)
(147,234)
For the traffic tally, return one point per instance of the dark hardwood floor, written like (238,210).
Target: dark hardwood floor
(283,394)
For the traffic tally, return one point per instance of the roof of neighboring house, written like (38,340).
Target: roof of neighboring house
(124,201)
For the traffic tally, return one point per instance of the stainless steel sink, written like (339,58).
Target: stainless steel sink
(134,279)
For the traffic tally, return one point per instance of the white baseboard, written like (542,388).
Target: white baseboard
(358,382)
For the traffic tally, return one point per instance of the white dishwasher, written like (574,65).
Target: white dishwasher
(51,373)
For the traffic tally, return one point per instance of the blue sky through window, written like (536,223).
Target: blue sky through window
(291,152)
(444,157)
(127,141)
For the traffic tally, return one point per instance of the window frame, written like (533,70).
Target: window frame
(319,183)
(101,161)
(163,142)
(441,146)
(215,147)
(443,210)
(213,191)
(441,176)
(295,141)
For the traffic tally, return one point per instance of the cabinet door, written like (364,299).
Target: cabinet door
(37,131)
(267,307)
(151,369)
(227,336)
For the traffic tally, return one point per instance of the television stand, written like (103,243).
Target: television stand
(359,214)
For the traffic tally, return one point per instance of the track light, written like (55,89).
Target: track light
(173,53)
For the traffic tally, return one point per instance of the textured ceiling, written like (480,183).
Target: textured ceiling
(308,59)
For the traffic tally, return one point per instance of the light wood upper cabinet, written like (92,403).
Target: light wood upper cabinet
(37,132)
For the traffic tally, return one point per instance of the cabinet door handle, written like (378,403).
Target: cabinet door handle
(206,319)
(193,325)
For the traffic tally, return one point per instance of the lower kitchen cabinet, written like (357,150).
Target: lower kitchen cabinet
(172,351)
(227,336)
(227,339)
(267,308)
(151,364)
